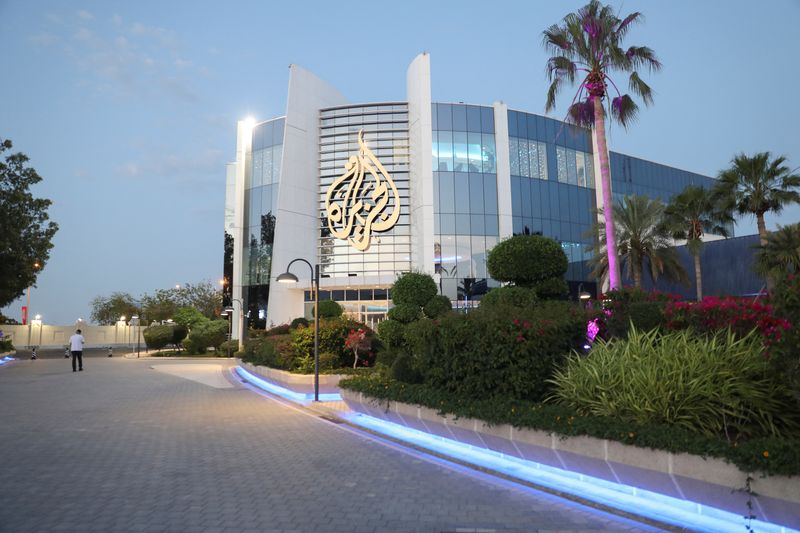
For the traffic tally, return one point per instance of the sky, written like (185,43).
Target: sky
(128,110)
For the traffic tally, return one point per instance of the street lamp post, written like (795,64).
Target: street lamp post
(288,277)
(28,308)
(36,321)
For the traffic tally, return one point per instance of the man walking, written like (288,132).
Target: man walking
(76,343)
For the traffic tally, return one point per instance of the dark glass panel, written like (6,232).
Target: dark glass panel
(522,126)
(512,124)
(476,193)
(490,193)
(459,117)
(434,117)
(473,118)
(487,119)
(445,117)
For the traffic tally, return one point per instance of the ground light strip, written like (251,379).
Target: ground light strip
(652,505)
(6,359)
(615,495)
(284,392)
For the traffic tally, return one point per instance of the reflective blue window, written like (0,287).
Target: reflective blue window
(459,117)
(462,224)
(448,223)
(446,192)
(445,150)
(492,225)
(525,193)
(460,153)
(487,119)
(444,119)
(477,226)
(462,192)
(474,152)
(488,153)
(490,193)
(476,193)
(512,123)
(434,118)
(474,118)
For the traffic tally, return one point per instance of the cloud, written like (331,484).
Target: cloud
(129,60)
(200,168)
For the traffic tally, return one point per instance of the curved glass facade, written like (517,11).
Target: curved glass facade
(262,177)
(465,210)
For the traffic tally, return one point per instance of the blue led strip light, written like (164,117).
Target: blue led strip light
(284,392)
(637,501)
(6,359)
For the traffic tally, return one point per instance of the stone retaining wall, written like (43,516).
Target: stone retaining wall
(710,481)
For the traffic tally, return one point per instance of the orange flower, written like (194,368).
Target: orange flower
(765,454)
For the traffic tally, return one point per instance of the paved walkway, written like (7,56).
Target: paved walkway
(123,447)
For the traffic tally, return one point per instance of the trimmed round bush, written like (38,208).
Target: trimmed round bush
(526,260)
(413,288)
(230,347)
(392,333)
(437,306)
(158,336)
(329,309)
(521,297)
(405,313)
(297,322)
(551,289)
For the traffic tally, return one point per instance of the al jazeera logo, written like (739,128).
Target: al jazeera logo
(362,201)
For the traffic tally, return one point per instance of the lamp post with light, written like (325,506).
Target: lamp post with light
(288,277)
(28,307)
(38,322)
(135,322)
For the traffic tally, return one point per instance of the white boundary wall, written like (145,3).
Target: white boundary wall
(47,336)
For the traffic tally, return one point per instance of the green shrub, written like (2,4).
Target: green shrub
(6,345)
(632,306)
(329,361)
(386,356)
(209,334)
(298,322)
(230,347)
(179,332)
(413,288)
(392,333)
(269,351)
(188,317)
(526,260)
(405,313)
(497,351)
(329,309)
(437,306)
(712,385)
(332,334)
(510,296)
(158,336)
(784,351)
(282,329)
(551,289)
(404,370)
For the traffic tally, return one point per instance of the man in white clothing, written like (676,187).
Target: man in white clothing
(76,343)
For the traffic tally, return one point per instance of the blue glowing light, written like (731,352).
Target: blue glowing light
(301,397)
(616,495)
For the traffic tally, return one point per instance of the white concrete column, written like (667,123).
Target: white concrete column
(244,140)
(418,84)
(504,205)
(297,216)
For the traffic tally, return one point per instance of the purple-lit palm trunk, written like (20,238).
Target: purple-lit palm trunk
(614,281)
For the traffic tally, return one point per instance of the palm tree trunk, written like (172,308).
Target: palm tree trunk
(762,237)
(614,277)
(762,229)
(698,278)
(637,276)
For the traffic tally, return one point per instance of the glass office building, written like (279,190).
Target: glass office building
(370,190)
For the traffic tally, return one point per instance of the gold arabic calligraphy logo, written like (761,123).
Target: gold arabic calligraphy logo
(357,206)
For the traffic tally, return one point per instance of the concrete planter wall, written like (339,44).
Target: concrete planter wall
(303,383)
(708,481)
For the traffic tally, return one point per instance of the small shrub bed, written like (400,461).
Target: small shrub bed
(715,385)
(770,455)
(499,351)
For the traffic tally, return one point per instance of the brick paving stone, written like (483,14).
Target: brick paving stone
(122,447)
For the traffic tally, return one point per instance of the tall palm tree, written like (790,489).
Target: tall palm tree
(690,215)
(755,186)
(587,43)
(781,254)
(643,242)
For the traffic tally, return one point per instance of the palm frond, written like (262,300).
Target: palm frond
(581,113)
(755,185)
(560,66)
(642,56)
(624,110)
(627,22)
(552,91)
(638,86)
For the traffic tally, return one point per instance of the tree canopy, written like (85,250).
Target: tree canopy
(26,233)
(107,310)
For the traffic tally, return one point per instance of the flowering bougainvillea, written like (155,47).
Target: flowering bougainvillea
(738,314)
(356,341)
